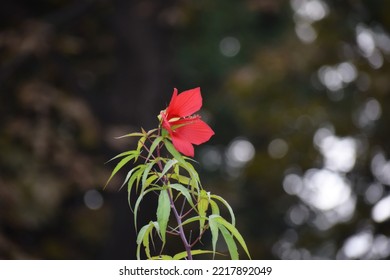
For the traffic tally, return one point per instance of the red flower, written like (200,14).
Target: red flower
(184,128)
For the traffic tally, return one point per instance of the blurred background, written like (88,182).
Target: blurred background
(297,92)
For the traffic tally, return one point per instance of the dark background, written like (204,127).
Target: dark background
(296,91)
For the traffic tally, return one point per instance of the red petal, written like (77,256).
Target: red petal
(183,146)
(184,104)
(165,123)
(193,130)
(173,99)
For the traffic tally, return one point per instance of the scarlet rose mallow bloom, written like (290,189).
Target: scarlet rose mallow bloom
(184,128)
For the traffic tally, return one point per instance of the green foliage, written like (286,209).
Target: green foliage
(176,182)
(163,212)
(64,70)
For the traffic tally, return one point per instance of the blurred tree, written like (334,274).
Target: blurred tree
(296,92)
(73,76)
(303,83)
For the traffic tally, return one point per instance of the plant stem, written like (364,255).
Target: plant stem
(187,246)
(182,235)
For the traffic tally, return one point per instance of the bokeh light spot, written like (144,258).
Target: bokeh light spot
(240,151)
(278,148)
(381,210)
(358,245)
(230,46)
(93,199)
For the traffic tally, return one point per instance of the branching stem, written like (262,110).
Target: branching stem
(178,217)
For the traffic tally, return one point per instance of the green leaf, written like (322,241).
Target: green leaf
(214,233)
(190,159)
(141,234)
(233,231)
(181,179)
(154,145)
(140,237)
(150,132)
(122,155)
(139,199)
(190,169)
(136,174)
(147,172)
(203,205)
(184,254)
(143,238)
(184,191)
(164,133)
(163,212)
(184,164)
(194,177)
(138,134)
(224,202)
(141,143)
(136,177)
(128,176)
(232,247)
(168,166)
(149,181)
(171,149)
(191,220)
(214,208)
(120,165)
(134,134)
(162,257)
